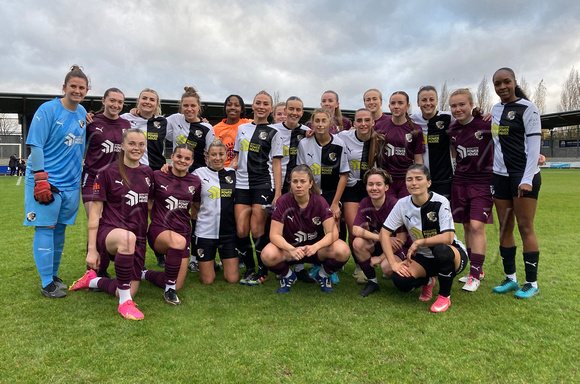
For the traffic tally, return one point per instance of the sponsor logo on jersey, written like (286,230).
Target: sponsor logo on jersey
(59,122)
(285,151)
(479,135)
(461,151)
(216,193)
(198,133)
(191,189)
(110,147)
(96,188)
(316,220)
(416,233)
(263,135)
(134,198)
(440,124)
(511,115)
(82,123)
(409,137)
(303,236)
(354,164)
(148,181)
(432,216)
(71,139)
(315,168)
(229,179)
(332,156)
(31,216)
(244,145)
(174,203)
(152,136)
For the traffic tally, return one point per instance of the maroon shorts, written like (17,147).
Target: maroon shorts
(155,230)
(140,249)
(87,182)
(399,188)
(471,202)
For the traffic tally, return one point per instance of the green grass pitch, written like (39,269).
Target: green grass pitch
(238,334)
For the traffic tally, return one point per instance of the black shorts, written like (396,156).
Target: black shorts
(442,188)
(355,193)
(206,248)
(506,187)
(254,196)
(430,267)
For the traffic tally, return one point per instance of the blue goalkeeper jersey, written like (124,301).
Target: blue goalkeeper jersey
(61,135)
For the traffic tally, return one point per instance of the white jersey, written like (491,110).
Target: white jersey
(256,146)
(327,163)
(216,213)
(358,153)
(517,135)
(430,219)
(198,135)
(290,139)
(437,156)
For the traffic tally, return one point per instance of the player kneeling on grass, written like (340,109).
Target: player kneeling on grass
(118,223)
(435,250)
(372,213)
(304,231)
(170,229)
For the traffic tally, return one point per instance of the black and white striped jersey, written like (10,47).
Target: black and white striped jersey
(155,130)
(256,146)
(430,219)
(437,156)
(517,135)
(327,163)
(290,139)
(357,153)
(198,135)
(216,214)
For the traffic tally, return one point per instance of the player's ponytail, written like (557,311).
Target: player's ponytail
(191,92)
(76,71)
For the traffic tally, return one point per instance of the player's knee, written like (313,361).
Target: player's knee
(341,250)
(443,254)
(404,284)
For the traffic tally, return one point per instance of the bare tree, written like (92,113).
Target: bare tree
(276,98)
(483,95)
(444,98)
(540,97)
(570,96)
(8,125)
(525,86)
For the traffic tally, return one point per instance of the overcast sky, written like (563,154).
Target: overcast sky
(298,48)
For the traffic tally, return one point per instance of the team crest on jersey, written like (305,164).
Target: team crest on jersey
(409,137)
(263,135)
(332,156)
(300,137)
(157,124)
(82,123)
(432,216)
(316,220)
(479,135)
(148,181)
(198,133)
(229,179)
(191,189)
(31,216)
(440,124)
(511,115)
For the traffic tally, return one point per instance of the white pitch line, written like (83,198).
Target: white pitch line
(19,180)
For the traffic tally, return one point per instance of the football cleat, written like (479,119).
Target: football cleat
(427,291)
(466,277)
(325,285)
(369,289)
(526,292)
(286,283)
(506,286)
(52,291)
(441,304)
(471,285)
(83,282)
(129,311)
(170,296)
